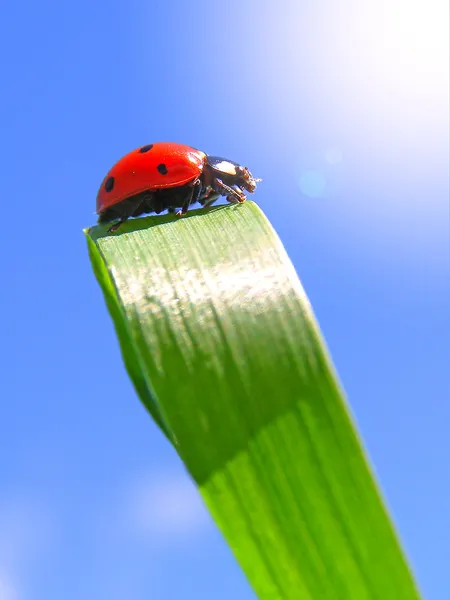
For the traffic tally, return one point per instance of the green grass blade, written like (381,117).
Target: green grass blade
(223,349)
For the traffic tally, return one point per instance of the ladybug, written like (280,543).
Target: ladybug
(171,176)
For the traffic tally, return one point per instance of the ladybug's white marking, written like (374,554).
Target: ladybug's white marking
(225,167)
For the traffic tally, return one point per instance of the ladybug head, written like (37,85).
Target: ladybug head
(233,173)
(246,179)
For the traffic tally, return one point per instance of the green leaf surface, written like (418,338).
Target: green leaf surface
(223,349)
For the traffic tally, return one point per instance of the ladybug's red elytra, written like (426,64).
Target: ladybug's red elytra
(171,176)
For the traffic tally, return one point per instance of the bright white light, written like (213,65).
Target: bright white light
(394,54)
(382,95)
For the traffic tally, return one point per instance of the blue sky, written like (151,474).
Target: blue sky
(342,109)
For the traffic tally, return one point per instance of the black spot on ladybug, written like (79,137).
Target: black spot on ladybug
(162,169)
(109,184)
(146,148)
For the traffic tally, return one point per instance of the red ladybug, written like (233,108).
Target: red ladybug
(166,175)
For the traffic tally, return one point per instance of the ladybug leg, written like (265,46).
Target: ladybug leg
(116,226)
(191,197)
(210,199)
(234,195)
(135,208)
(237,195)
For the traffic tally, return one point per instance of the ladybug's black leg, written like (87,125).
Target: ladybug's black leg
(209,200)
(191,197)
(149,203)
(116,226)
(135,207)
(232,194)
